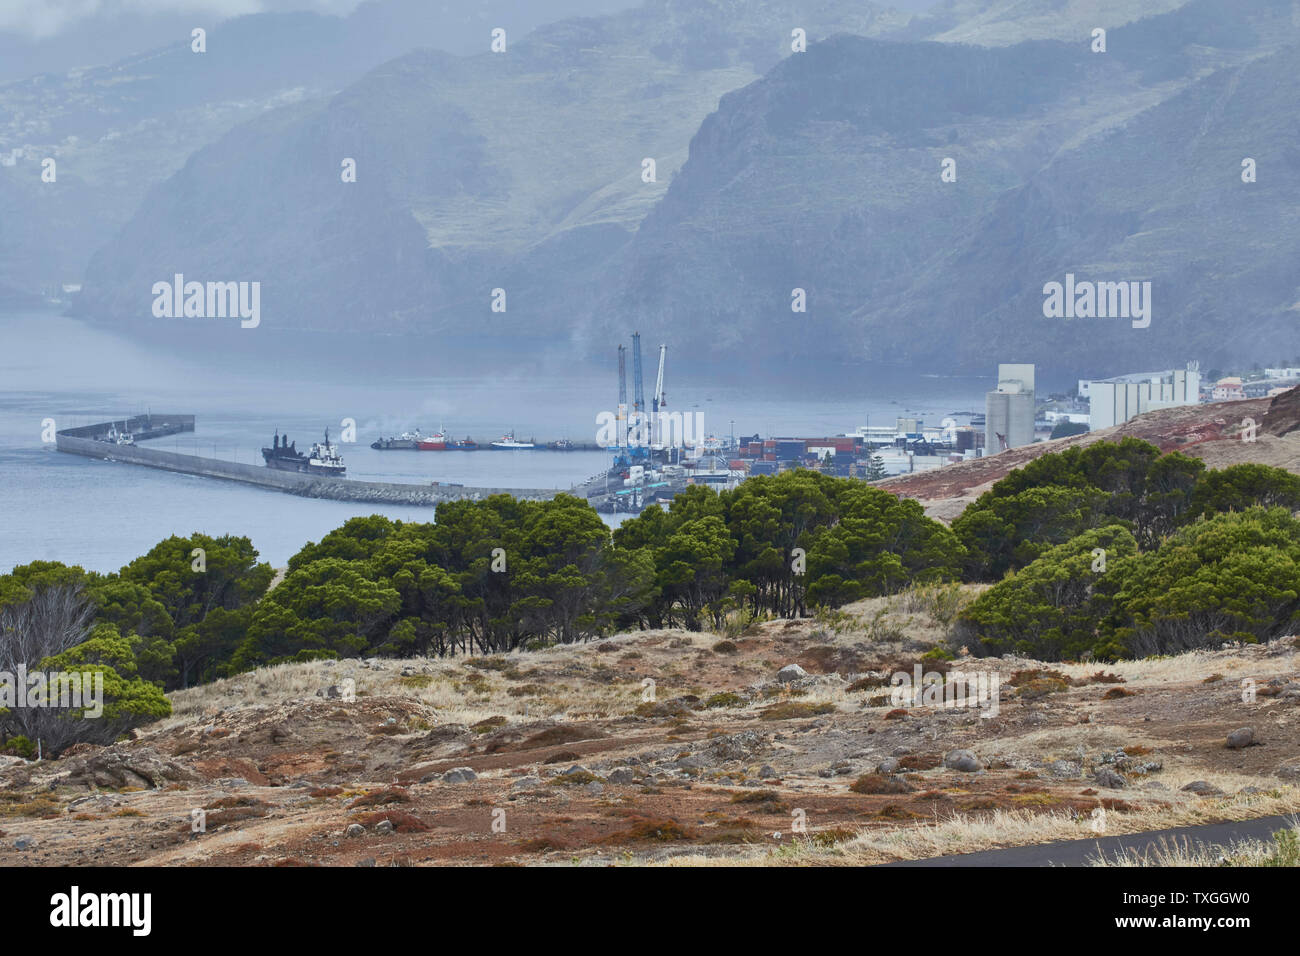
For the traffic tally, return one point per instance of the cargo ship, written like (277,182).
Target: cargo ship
(323,459)
(510,443)
(407,440)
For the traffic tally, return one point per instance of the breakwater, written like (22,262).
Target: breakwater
(88,441)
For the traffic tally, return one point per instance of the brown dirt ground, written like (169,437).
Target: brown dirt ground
(279,768)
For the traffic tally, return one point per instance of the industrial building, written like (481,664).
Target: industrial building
(1009,409)
(1115,400)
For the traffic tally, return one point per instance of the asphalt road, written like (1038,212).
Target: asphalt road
(1079,852)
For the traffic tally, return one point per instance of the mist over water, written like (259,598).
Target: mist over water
(102,514)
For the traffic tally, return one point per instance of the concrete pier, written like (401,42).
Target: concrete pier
(86,441)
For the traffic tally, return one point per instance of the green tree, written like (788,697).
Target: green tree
(1052,608)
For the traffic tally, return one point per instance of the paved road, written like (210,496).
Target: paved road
(1078,852)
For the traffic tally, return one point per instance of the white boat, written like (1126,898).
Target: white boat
(509,443)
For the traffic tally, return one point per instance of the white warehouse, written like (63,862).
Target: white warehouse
(1115,400)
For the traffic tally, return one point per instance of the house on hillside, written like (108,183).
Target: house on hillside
(1228,389)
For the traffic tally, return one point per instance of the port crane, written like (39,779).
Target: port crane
(657,402)
(622,401)
(639,447)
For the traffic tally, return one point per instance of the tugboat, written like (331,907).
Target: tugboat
(324,458)
(510,443)
(406,440)
(435,442)
(468,444)
(115,437)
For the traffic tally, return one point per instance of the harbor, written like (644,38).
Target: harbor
(118,441)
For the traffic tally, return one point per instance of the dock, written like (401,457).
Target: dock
(91,441)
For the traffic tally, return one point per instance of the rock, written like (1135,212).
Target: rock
(24,843)
(384,827)
(119,767)
(1251,791)
(1203,788)
(368,861)
(622,776)
(446,732)
(595,788)
(459,775)
(1067,769)
(528,783)
(354,830)
(741,746)
(962,760)
(767,772)
(1241,737)
(334,691)
(1110,779)
(1289,770)
(1154,785)
(790,673)
(826,772)
(888,765)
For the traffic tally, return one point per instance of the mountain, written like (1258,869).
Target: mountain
(519,170)
(115,131)
(775,171)
(1123,166)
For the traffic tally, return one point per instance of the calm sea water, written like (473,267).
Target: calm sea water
(102,514)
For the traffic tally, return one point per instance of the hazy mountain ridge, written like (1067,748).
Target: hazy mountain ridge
(822,175)
(535,166)
(117,130)
(825,176)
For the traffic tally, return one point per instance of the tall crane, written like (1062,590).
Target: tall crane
(622,398)
(657,401)
(638,397)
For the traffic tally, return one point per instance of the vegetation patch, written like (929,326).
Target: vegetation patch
(795,709)
(379,798)
(874,783)
(725,699)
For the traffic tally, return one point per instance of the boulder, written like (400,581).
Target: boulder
(1203,788)
(459,775)
(1110,779)
(1241,737)
(119,767)
(962,760)
(790,673)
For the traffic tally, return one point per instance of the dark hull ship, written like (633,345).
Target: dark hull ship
(324,459)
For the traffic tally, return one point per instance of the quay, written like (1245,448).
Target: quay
(97,441)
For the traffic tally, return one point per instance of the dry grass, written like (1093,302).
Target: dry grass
(1282,850)
(1000,828)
